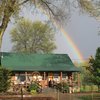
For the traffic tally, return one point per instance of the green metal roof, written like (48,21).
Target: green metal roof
(37,62)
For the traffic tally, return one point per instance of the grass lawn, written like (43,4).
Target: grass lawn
(90,97)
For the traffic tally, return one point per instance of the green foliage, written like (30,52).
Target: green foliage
(32,37)
(11,8)
(86,76)
(62,87)
(88,88)
(4,79)
(65,87)
(59,10)
(34,88)
(8,9)
(91,7)
(94,67)
(33,92)
(90,74)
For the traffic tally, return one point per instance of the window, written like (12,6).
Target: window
(64,75)
(56,75)
(21,78)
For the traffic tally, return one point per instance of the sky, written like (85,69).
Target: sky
(84,32)
(82,29)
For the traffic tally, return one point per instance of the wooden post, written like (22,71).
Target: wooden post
(26,76)
(60,76)
(78,82)
(44,75)
(26,81)
(70,78)
(21,93)
(70,82)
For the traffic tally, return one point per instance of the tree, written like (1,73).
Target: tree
(56,9)
(9,8)
(85,74)
(32,37)
(86,77)
(4,79)
(94,67)
(92,7)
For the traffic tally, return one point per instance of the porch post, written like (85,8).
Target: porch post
(60,76)
(78,81)
(26,77)
(44,75)
(70,82)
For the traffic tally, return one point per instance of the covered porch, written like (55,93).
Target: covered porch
(26,78)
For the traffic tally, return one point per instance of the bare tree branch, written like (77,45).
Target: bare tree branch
(24,2)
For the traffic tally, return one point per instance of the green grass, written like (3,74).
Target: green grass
(88,88)
(86,98)
(90,97)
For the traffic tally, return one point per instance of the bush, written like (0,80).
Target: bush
(34,87)
(5,76)
(33,91)
(63,87)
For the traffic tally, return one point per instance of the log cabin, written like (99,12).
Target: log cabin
(29,67)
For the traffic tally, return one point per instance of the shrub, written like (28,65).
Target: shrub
(33,91)
(63,87)
(34,87)
(5,76)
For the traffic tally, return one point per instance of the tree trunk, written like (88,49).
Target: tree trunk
(1,35)
(8,11)
(3,27)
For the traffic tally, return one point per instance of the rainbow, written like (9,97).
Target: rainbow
(74,49)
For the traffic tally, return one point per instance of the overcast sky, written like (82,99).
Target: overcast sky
(82,29)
